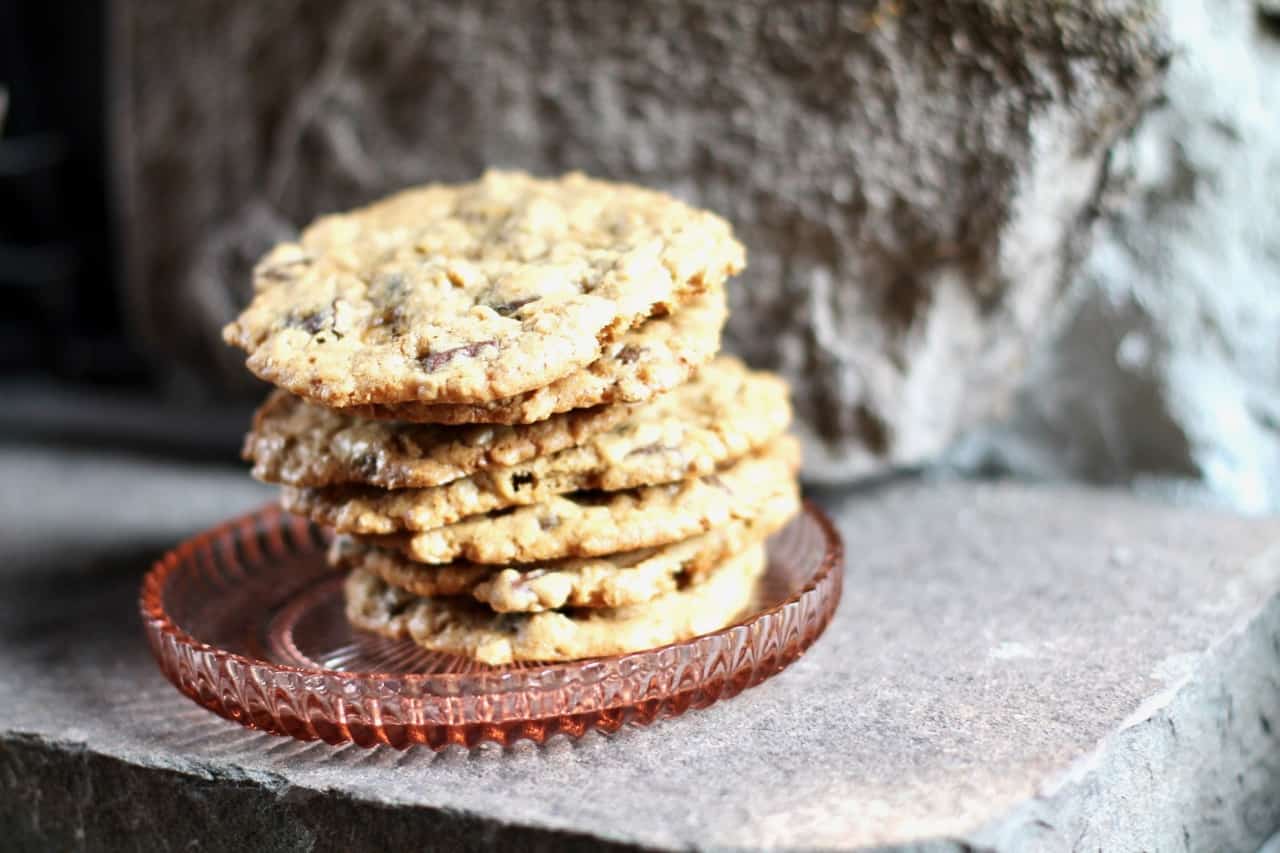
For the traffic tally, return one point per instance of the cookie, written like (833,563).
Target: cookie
(724,414)
(463,628)
(474,292)
(297,443)
(615,580)
(588,524)
(654,357)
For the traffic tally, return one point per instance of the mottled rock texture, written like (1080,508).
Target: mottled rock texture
(913,179)
(1165,361)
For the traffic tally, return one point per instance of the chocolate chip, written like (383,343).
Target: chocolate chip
(311,322)
(366,464)
(506,309)
(649,449)
(433,361)
(524,478)
(630,353)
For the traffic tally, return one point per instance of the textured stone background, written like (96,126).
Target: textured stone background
(919,184)
(913,179)
(1166,359)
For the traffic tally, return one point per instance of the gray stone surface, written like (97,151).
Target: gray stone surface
(1164,362)
(912,178)
(1013,667)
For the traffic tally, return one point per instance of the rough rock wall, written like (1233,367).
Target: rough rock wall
(912,178)
(1166,360)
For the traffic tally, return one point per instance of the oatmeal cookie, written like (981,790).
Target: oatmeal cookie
(654,357)
(723,415)
(613,580)
(475,292)
(297,443)
(464,628)
(588,524)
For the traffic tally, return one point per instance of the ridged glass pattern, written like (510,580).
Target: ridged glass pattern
(247,620)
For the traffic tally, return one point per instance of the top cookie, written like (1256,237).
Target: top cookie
(469,293)
(655,356)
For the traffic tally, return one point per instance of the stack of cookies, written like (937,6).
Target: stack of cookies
(505,398)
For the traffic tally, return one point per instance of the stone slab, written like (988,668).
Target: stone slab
(1014,667)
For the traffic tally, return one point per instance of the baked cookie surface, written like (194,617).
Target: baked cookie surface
(474,292)
(467,629)
(297,443)
(589,524)
(614,580)
(724,414)
(651,358)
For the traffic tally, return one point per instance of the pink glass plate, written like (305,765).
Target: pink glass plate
(247,620)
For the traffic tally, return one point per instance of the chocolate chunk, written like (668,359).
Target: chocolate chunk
(433,361)
(655,447)
(524,478)
(630,353)
(311,322)
(506,309)
(367,464)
